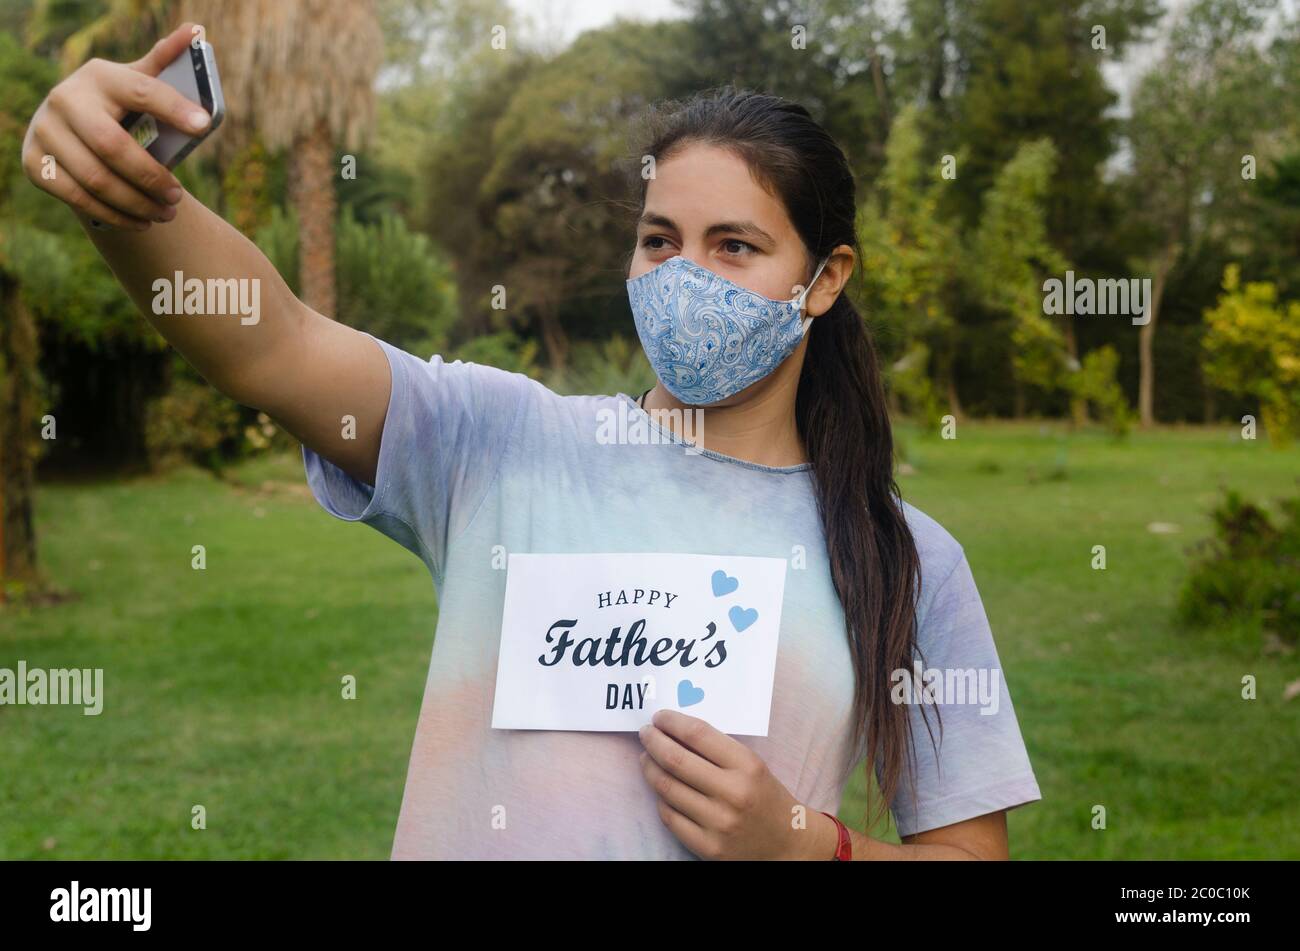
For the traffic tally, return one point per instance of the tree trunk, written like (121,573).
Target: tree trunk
(948,373)
(1078,405)
(18,434)
(954,404)
(1147,371)
(882,94)
(554,339)
(312,189)
(1146,340)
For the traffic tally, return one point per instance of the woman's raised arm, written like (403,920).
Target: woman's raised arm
(252,338)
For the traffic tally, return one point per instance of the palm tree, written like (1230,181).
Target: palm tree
(298,75)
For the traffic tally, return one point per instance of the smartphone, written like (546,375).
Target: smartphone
(194,75)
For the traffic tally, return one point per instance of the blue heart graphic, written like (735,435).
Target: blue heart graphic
(741,618)
(723,583)
(688,694)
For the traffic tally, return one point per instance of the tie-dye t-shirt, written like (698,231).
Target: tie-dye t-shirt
(475,461)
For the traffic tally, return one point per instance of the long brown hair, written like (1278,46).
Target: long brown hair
(840,408)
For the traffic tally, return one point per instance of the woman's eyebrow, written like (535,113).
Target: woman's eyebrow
(739,227)
(722,227)
(657,220)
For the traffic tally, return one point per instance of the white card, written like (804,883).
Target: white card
(602,641)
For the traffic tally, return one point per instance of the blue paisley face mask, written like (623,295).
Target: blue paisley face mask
(708,338)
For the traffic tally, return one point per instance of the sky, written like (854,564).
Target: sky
(560,21)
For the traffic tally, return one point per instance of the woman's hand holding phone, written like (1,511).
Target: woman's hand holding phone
(98,167)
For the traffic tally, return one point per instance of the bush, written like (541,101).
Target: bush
(389,280)
(610,366)
(278,240)
(1250,569)
(1096,381)
(1252,349)
(192,422)
(909,379)
(504,350)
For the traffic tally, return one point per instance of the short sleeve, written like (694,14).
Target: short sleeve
(445,435)
(982,765)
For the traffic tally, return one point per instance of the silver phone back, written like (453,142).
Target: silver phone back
(164,142)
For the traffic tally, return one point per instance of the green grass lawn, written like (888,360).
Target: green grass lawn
(223,685)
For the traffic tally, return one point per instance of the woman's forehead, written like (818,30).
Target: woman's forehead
(704,185)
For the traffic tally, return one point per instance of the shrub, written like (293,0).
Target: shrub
(1249,569)
(909,379)
(389,280)
(192,422)
(616,364)
(1252,348)
(1096,381)
(278,240)
(504,350)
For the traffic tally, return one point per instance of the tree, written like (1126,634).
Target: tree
(524,187)
(1195,115)
(19,445)
(437,53)
(22,77)
(1008,257)
(911,256)
(1031,71)
(827,55)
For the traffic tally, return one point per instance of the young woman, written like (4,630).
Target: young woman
(744,245)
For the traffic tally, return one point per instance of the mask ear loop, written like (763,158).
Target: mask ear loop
(803,324)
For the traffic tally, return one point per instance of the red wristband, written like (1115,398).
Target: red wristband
(844,850)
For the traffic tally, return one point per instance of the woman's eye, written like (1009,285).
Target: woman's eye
(648,244)
(742,244)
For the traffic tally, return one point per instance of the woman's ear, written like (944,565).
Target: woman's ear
(834,276)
